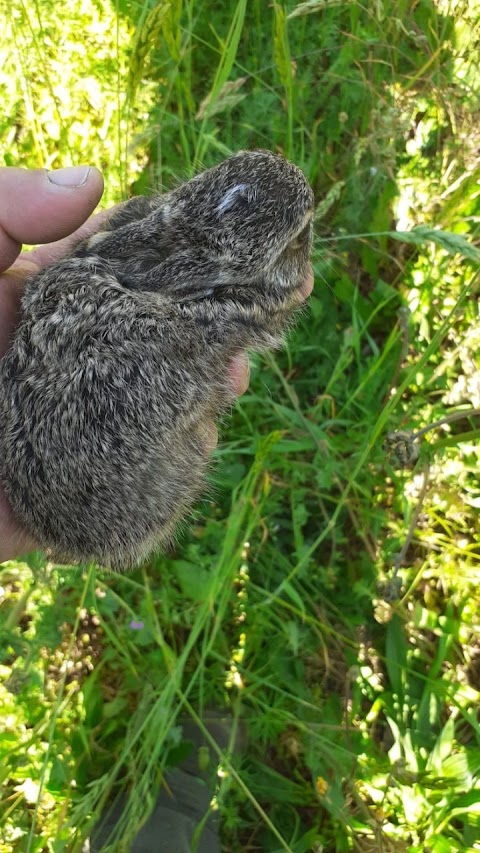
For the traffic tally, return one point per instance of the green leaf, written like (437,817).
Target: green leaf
(59,776)
(194,581)
(467,807)
(443,747)
(310,841)
(93,702)
(396,654)
(454,244)
(228,55)
(293,635)
(456,769)
(439,844)
(272,786)
(289,590)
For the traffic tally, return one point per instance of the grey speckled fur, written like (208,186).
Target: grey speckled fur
(122,354)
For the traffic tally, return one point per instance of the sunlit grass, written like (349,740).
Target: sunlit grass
(344,636)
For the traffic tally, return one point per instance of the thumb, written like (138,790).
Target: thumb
(38,206)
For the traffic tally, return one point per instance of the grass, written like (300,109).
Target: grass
(323,595)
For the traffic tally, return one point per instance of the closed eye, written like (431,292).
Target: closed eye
(301,238)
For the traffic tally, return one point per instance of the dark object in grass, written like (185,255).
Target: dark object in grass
(401,446)
(184,800)
(121,356)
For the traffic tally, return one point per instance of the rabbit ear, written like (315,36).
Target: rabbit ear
(183,277)
(131,211)
(128,232)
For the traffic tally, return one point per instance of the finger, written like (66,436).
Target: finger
(13,540)
(11,287)
(307,285)
(239,373)
(37,206)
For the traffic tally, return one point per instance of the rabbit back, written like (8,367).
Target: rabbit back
(101,416)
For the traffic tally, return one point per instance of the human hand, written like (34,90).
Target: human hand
(35,207)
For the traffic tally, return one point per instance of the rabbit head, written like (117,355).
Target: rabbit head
(251,216)
(240,229)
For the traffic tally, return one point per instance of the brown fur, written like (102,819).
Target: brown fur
(122,354)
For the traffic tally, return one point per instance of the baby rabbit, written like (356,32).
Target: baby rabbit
(122,355)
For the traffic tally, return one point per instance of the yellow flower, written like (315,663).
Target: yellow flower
(321,786)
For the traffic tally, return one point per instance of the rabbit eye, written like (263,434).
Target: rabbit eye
(301,238)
